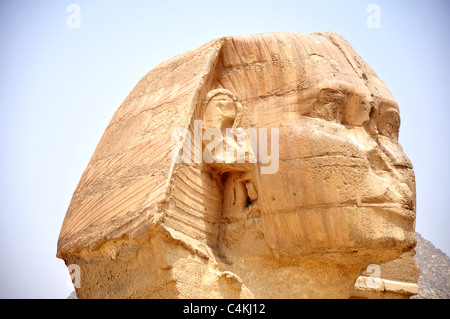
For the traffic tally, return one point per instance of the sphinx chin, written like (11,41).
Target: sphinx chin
(344,234)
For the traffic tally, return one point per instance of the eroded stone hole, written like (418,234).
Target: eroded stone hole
(248,202)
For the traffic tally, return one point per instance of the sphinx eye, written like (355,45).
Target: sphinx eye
(388,123)
(329,105)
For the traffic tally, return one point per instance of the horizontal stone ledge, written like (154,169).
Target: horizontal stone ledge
(377,284)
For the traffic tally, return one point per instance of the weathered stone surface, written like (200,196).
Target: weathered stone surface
(342,196)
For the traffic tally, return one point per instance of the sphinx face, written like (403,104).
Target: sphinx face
(344,185)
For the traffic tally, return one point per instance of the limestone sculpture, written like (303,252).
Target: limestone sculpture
(303,216)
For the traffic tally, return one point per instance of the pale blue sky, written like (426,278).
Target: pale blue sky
(59,88)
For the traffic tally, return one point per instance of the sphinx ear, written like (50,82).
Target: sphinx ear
(221,110)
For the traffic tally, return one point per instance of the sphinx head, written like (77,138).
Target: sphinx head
(342,191)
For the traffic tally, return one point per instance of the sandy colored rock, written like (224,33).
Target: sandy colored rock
(335,195)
